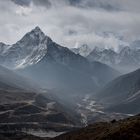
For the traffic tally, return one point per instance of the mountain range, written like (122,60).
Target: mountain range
(40,82)
(126,60)
(47,87)
(54,66)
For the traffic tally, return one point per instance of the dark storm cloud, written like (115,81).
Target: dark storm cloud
(102,4)
(45,3)
(22,2)
(72,22)
(109,5)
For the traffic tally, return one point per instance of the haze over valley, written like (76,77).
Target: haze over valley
(69,79)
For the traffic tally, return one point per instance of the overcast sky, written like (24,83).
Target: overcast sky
(107,23)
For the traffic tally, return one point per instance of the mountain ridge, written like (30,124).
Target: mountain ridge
(125,60)
(37,50)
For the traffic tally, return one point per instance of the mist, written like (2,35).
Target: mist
(106,24)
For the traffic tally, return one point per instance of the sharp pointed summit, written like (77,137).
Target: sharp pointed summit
(34,36)
(37,28)
(37,31)
(27,51)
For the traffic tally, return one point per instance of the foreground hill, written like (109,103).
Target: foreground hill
(128,129)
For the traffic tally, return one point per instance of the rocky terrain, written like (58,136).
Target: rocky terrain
(115,130)
(128,129)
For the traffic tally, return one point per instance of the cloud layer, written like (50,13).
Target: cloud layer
(103,23)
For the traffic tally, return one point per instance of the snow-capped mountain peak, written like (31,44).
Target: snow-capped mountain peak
(37,32)
(27,51)
(84,50)
(37,29)
(128,57)
(34,36)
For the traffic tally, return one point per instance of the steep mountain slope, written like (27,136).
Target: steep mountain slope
(131,105)
(122,93)
(116,130)
(54,66)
